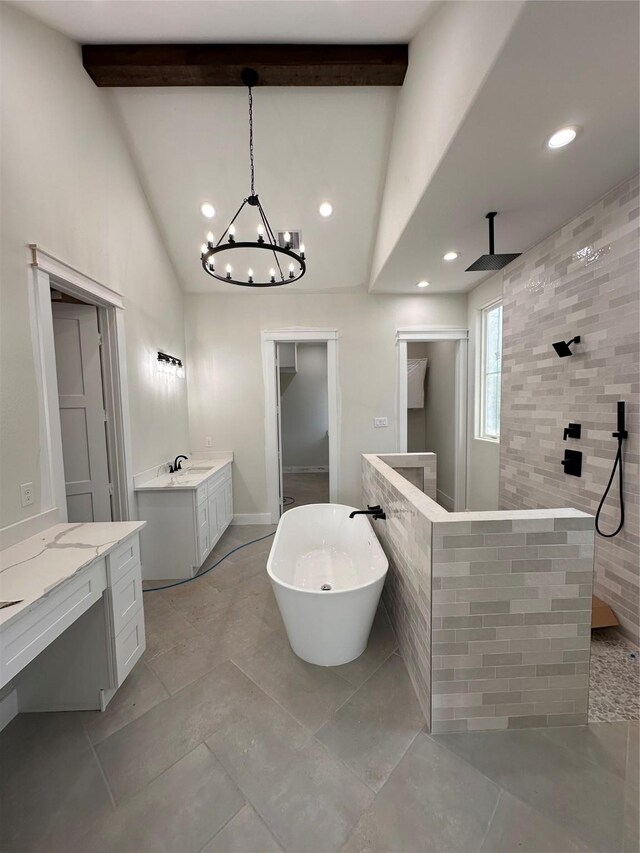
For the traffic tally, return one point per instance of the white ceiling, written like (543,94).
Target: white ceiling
(244,21)
(564,63)
(311,145)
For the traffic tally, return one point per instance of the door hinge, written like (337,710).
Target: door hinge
(104,412)
(111,489)
(99,339)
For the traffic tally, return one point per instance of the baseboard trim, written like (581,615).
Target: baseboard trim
(21,530)
(305,469)
(8,708)
(445,501)
(252,518)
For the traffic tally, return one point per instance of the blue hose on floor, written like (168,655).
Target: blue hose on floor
(206,571)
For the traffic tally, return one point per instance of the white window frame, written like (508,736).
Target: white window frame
(481,374)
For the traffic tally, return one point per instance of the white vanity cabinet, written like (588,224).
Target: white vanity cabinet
(184,522)
(78,629)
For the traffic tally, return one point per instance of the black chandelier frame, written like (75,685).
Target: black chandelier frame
(250,78)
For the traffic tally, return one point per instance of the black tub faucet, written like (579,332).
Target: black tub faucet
(375,512)
(177,464)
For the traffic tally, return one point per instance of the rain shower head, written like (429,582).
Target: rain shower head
(563,347)
(491,262)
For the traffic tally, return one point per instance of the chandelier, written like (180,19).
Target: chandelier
(217,258)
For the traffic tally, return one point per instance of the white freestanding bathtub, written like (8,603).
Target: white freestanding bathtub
(327,571)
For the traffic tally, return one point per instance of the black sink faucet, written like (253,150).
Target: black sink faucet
(177,464)
(375,511)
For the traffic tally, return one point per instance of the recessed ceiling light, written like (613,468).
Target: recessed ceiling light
(325,209)
(423,284)
(562,137)
(208,210)
(450,256)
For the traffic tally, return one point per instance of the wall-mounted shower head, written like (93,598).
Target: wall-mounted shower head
(563,347)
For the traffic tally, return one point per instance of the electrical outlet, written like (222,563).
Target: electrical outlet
(208,442)
(26,494)
(380,422)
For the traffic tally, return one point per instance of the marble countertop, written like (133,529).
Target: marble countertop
(193,473)
(35,567)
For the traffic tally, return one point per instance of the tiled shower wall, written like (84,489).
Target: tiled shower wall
(405,536)
(583,280)
(492,609)
(511,614)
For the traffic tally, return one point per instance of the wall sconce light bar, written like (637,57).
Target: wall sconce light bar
(171,365)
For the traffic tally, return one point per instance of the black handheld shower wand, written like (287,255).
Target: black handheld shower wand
(621,434)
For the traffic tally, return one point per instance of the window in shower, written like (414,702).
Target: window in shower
(490,372)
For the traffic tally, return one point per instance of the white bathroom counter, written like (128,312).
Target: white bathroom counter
(32,569)
(194,472)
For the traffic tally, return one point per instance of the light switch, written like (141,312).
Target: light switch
(380,422)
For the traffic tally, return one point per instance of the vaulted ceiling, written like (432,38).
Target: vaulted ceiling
(558,63)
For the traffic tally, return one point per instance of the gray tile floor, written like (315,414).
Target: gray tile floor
(222,740)
(306,488)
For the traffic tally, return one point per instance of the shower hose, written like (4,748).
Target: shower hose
(211,568)
(617,464)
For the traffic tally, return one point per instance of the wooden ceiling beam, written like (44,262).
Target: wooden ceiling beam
(221,64)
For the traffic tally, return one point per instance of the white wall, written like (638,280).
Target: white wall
(483,455)
(68,184)
(304,410)
(226,386)
(438,415)
(464,38)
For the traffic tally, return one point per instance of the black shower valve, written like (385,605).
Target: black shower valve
(572,463)
(572,431)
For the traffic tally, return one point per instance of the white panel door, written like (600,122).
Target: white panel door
(82,424)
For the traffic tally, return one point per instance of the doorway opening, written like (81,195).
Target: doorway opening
(301,407)
(432,405)
(304,423)
(79,346)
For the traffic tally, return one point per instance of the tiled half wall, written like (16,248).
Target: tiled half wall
(492,609)
(582,280)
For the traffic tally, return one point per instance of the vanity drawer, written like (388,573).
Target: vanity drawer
(219,479)
(122,559)
(29,635)
(126,598)
(129,646)
(201,493)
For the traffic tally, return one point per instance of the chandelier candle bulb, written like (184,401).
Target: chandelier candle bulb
(203,249)
(210,240)
(302,251)
(272,275)
(232,233)
(250,274)
(260,233)
(229,270)
(287,239)
(291,270)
